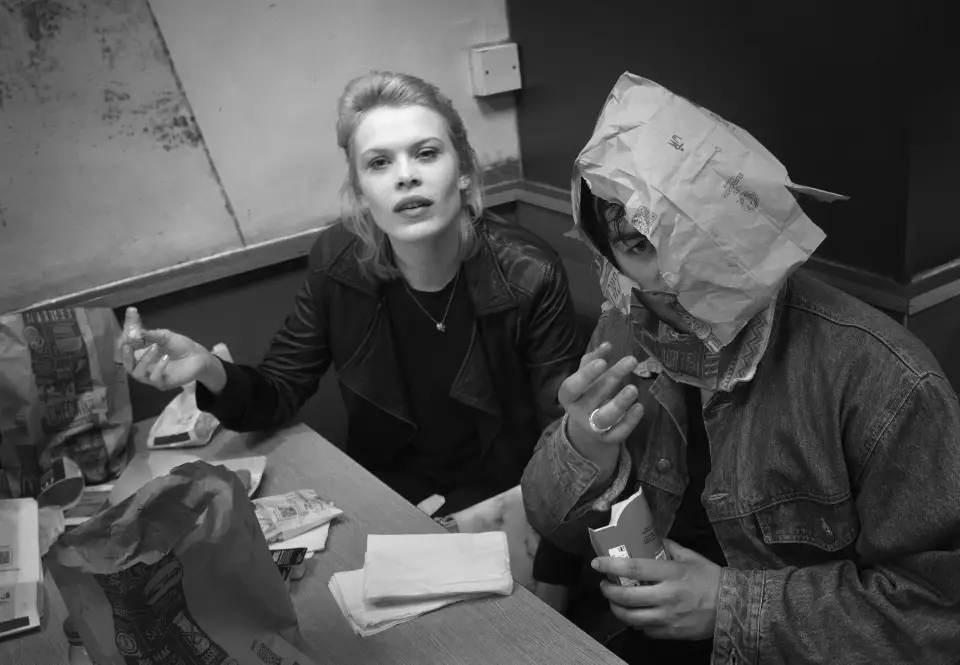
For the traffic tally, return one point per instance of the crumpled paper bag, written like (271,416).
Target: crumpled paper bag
(177,572)
(400,568)
(714,202)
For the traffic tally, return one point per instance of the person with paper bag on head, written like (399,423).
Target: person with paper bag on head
(798,450)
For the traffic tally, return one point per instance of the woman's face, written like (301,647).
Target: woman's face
(408,172)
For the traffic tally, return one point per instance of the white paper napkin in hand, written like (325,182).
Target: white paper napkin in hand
(427,566)
(367,619)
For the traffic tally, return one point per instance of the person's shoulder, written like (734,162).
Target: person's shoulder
(511,242)
(526,261)
(865,333)
(331,245)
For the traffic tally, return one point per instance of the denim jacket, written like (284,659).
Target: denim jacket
(834,489)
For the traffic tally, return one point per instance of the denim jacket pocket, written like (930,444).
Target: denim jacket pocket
(808,530)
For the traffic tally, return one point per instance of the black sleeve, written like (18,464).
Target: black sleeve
(270,395)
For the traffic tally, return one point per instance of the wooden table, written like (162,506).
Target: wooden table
(513,630)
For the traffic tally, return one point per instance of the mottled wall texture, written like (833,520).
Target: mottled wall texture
(139,135)
(103,173)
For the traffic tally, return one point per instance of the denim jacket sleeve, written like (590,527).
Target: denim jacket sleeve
(902,602)
(560,491)
(270,395)
(561,494)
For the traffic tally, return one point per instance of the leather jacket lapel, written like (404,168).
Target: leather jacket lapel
(488,286)
(372,372)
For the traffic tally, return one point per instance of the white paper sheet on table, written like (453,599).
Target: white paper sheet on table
(422,566)
(21,571)
(314,540)
(367,619)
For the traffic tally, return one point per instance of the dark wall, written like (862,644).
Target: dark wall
(933,234)
(933,214)
(824,84)
(939,328)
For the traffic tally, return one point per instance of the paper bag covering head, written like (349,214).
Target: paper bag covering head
(712,207)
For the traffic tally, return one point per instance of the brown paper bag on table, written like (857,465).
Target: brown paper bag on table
(714,202)
(179,572)
(62,393)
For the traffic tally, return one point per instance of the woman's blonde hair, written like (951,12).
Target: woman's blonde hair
(378,89)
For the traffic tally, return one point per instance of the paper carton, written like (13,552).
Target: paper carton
(630,534)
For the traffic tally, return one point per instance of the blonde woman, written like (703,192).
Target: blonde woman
(450,330)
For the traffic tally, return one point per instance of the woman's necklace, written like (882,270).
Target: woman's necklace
(441,324)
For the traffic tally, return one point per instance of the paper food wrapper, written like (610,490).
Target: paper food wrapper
(62,393)
(179,572)
(714,202)
(182,424)
(631,534)
(312,541)
(286,516)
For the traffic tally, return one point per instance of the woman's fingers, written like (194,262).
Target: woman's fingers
(145,363)
(145,354)
(126,357)
(159,337)
(156,374)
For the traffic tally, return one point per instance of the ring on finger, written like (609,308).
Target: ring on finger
(594,426)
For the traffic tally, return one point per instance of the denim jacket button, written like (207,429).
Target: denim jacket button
(663,465)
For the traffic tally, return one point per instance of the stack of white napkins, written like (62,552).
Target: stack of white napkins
(406,576)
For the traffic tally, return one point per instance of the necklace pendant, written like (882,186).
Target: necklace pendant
(441,327)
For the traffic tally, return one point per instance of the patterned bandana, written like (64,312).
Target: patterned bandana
(693,359)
